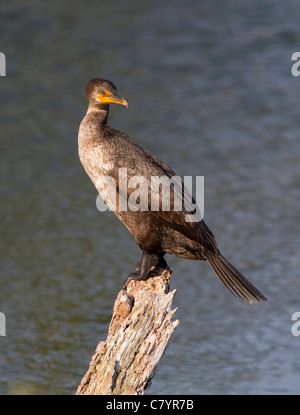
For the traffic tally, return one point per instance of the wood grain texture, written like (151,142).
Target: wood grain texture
(139,332)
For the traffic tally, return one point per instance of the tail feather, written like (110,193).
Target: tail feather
(234,281)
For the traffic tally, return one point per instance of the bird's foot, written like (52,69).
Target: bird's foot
(138,277)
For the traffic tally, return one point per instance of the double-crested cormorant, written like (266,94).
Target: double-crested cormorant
(103,151)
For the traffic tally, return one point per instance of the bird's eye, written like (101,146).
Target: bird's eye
(102,92)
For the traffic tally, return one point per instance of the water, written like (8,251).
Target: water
(211,93)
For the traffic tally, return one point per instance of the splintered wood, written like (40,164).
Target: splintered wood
(139,332)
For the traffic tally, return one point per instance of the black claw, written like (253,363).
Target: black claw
(138,277)
(144,265)
(130,277)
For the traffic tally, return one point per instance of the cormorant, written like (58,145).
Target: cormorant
(103,150)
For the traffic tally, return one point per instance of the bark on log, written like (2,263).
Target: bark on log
(139,332)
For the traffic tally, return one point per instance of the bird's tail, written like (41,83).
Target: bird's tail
(236,283)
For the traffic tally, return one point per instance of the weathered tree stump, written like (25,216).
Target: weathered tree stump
(139,332)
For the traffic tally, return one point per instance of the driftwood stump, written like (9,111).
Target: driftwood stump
(139,332)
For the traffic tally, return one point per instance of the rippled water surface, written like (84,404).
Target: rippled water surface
(211,93)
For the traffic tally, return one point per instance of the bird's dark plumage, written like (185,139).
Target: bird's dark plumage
(103,151)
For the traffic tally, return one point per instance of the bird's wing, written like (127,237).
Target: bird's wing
(145,193)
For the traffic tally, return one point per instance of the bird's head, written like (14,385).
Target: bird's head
(101,92)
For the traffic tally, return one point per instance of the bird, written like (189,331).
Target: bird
(104,152)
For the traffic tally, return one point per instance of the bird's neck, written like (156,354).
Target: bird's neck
(101,112)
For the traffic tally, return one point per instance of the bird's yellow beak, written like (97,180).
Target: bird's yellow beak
(106,97)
